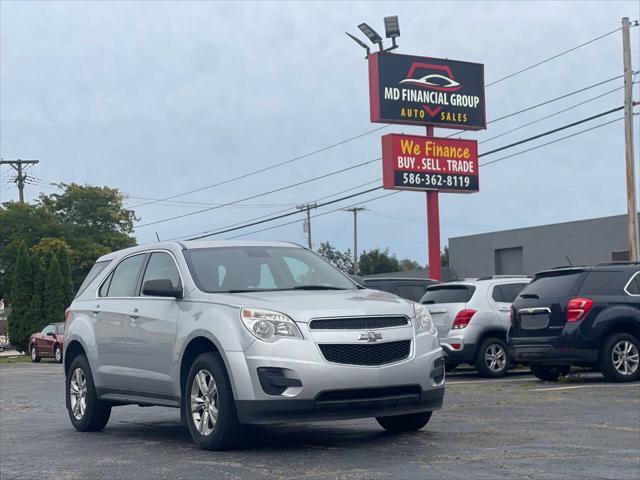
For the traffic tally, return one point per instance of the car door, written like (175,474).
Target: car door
(151,331)
(44,341)
(113,307)
(502,296)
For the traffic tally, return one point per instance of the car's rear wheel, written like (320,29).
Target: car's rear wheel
(620,358)
(549,373)
(35,358)
(210,407)
(492,359)
(404,423)
(57,353)
(86,411)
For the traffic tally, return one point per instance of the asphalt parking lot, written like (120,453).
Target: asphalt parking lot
(516,427)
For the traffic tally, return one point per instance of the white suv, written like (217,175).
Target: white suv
(472,318)
(245,332)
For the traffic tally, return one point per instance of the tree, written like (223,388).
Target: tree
(20,299)
(53,292)
(36,315)
(342,260)
(67,277)
(408,264)
(377,261)
(444,257)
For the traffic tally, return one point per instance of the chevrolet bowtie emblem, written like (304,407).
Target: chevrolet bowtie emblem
(370,336)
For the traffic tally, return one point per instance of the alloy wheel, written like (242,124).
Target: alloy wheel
(204,402)
(625,357)
(78,391)
(495,357)
(58,354)
(34,354)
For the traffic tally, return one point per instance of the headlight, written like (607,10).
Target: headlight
(423,319)
(268,325)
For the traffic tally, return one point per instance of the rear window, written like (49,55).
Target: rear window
(601,282)
(507,292)
(552,285)
(448,294)
(412,292)
(91,276)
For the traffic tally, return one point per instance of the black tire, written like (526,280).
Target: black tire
(35,358)
(499,363)
(404,423)
(57,353)
(226,431)
(549,373)
(450,367)
(610,356)
(97,413)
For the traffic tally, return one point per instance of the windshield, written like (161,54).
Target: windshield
(254,268)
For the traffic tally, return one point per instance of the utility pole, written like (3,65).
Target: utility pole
(355,211)
(20,175)
(307,225)
(632,215)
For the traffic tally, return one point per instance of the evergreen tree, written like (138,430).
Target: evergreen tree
(67,276)
(20,299)
(37,320)
(53,292)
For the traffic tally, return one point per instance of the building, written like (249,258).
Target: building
(529,250)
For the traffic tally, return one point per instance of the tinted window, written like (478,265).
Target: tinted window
(91,276)
(161,266)
(411,292)
(48,329)
(555,285)
(633,288)
(600,282)
(124,277)
(507,292)
(448,294)
(60,329)
(384,286)
(255,268)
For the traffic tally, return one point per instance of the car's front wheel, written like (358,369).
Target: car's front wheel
(210,407)
(86,411)
(404,423)
(57,354)
(620,358)
(35,358)
(549,373)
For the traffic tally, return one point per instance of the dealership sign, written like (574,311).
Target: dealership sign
(421,90)
(411,162)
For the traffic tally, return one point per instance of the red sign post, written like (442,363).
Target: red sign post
(406,89)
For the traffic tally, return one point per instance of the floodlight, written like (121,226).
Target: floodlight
(392,26)
(371,34)
(361,43)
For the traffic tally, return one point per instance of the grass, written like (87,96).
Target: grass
(16,359)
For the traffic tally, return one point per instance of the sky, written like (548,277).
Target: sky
(160,98)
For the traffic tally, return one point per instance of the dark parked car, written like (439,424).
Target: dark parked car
(586,316)
(47,343)
(410,288)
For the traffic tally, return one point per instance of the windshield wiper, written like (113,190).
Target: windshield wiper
(317,287)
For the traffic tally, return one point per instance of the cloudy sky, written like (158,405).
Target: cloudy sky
(160,98)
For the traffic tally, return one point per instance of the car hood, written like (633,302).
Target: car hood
(304,305)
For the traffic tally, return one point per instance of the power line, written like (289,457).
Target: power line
(263,193)
(553,57)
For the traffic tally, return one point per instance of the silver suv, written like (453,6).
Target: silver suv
(245,333)
(472,318)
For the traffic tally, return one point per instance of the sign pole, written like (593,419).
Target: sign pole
(433,227)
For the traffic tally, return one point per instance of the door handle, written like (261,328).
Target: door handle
(96,311)
(135,314)
(504,309)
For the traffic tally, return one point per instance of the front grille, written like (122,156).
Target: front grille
(358,323)
(369,354)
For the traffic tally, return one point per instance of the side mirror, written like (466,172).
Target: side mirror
(161,288)
(49,334)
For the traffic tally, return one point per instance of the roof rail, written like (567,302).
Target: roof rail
(560,267)
(611,264)
(492,277)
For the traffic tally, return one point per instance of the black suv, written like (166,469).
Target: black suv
(584,316)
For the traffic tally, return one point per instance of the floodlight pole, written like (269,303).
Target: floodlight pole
(632,215)
(433,227)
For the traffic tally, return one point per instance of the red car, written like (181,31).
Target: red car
(47,343)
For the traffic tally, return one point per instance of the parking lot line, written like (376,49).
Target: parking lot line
(588,386)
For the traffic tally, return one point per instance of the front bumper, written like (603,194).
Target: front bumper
(371,403)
